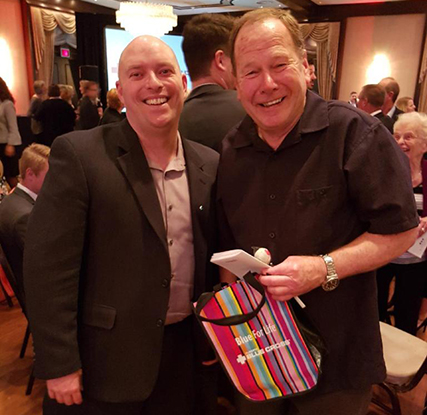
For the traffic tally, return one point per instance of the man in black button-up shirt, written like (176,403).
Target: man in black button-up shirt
(341,187)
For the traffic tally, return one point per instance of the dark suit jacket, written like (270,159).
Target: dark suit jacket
(89,117)
(209,113)
(111,115)
(386,120)
(15,210)
(96,265)
(57,117)
(397,112)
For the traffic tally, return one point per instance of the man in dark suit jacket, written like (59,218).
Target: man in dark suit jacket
(89,113)
(16,208)
(56,116)
(118,247)
(212,108)
(371,99)
(392,91)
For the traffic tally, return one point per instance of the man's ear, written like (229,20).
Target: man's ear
(305,65)
(119,91)
(184,82)
(219,60)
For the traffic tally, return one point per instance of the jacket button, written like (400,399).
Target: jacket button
(159,323)
(272,235)
(165,283)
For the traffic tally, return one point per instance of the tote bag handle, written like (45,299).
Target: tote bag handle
(237,319)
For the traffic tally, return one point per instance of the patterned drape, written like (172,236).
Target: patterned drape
(44,22)
(422,103)
(326,36)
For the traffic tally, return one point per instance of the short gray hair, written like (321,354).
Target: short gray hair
(415,121)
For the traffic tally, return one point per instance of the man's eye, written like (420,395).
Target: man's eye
(165,71)
(135,74)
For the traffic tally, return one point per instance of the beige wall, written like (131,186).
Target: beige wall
(12,53)
(399,38)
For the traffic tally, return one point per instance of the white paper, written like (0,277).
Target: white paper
(238,262)
(420,245)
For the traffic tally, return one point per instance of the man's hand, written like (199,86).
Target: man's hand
(295,276)
(9,151)
(422,227)
(66,390)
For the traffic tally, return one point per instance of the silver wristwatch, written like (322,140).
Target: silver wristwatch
(332,281)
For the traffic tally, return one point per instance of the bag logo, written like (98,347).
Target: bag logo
(259,352)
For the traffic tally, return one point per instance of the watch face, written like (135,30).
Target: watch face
(331,284)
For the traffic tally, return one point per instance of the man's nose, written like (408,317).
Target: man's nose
(268,82)
(153,81)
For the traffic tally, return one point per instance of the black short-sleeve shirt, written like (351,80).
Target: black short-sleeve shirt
(338,174)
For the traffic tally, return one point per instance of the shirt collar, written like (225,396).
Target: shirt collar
(177,163)
(391,112)
(28,191)
(375,112)
(314,118)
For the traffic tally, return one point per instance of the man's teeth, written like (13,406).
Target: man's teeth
(156,101)
(269,104)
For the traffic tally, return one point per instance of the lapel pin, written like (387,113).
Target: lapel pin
(201,207)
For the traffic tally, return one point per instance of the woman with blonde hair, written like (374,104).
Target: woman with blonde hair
(406,104)
(410,132)
(113,113)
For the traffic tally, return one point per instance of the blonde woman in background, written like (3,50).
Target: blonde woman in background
(113,113)
(67,94)
(406,104)
(9,135)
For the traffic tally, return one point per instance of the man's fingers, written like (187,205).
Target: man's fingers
(77,398)
(274,280)
(59,398)
(68,399)
(51,394)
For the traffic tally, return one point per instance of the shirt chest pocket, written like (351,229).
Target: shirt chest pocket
(317,214)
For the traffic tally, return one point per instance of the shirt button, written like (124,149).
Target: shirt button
(170,242)
(165,283)
(201,207)
(272,196)
(272,235)
(169,208)
(159,323)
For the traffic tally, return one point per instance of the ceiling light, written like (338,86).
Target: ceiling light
(142,18)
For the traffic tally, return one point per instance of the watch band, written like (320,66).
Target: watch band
(332,280)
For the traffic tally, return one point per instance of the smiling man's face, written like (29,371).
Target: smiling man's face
(151,84)
(271,76)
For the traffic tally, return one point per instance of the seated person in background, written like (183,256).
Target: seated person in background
(410,132)
(353,99)
(212,108)
(56,116)
(88,110)
(406,104)
(67,93)
(16,208)
(371,99)
(113,113)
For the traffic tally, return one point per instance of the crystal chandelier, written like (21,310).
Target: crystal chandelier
(142,18)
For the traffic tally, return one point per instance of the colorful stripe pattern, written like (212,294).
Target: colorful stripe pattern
(267,357)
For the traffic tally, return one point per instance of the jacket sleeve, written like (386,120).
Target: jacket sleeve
(13,136)
(52,262)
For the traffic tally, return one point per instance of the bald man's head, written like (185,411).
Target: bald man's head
(143,44)
(151,84)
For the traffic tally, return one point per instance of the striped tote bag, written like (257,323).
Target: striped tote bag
(268,350)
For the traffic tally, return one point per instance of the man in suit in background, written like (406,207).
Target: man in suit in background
(212,108)
(371,99)
(392,91)
(89,113)
(117,249)
(353,99)
(56,116)
(16,208)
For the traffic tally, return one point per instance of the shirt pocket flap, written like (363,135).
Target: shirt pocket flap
(99,315)
(308,196)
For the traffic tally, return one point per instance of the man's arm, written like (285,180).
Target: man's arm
(300,274)
(52,264)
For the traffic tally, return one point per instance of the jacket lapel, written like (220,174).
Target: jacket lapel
(134,166)
(19,192)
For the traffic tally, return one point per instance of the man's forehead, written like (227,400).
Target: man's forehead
(146,46)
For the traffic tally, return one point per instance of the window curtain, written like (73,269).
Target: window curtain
(326,36)
(422,81)
(44,23)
